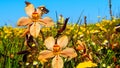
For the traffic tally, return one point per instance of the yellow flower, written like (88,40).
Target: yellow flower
(35,62)
(80,33)
(67,32)
(61,19)
(33,45)
(105,42)
(114,20)
(94,31)
(75,36)
(57,50)
(104,65)
(86,64)
(27,63)
(7,30)
(102,28)
(98,24)
(83,29)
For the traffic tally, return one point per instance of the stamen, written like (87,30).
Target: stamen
(56,49)
(35,16)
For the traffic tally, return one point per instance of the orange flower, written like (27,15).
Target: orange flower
(57,51)
(81,45)
(34,20)
(82,48)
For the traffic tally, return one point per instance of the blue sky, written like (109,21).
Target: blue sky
(12,10)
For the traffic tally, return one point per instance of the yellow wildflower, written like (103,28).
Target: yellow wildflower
(83,29)
(94,31)
(86,64)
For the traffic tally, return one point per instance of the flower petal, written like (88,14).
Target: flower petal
(40,21)
(81,45)
(35,29)
(45,54)
(23,21)
(62,41)
(47,21)
(57,62)
(49,43)
(29,9)
(68,52)
(86,64)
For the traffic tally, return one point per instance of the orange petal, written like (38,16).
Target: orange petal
(81,45)
(29,9)
(41,22)
(49,43)
(68,52)
(62,41)
(48,21)
(57,62)
(45,55)
(23,21)
(35,29)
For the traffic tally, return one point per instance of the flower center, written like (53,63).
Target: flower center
(56,49)
(35,16)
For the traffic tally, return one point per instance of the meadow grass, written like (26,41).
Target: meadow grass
(101,40)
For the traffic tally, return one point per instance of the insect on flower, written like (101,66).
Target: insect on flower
(57,51)
(34,21)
